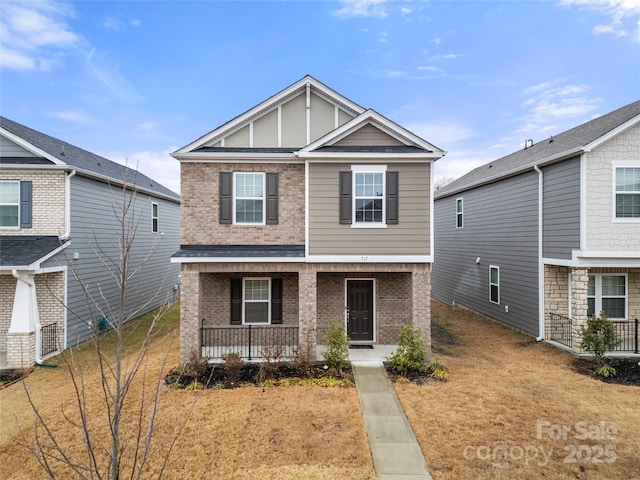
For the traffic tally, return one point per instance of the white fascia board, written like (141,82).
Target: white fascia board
(364,259)
(612,133)
(612,259)
(237,260)
(32,148)
(36,265)
(384,124)
(318,157)
(199,157)
(268,105)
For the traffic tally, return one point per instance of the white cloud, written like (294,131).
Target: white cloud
(622,15)
(157,165)
(406,10)
(550,101)
(147,126)
(112,23)
(108,73)
(445,56)
(73,116)
(32,34)
(445,134)
(361,8)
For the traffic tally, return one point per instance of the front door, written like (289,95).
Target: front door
(360,310)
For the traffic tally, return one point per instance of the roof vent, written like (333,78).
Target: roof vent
(528,143)
(551,139)
(62,152)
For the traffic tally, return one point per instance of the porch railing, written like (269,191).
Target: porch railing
(251,342)
(49,339)
(560,329)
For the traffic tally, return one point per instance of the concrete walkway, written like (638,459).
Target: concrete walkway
(394,448)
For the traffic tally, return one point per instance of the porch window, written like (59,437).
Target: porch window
(627,192)
(459,217)
(608,294)
(249,197)
(494,284)
(256,300)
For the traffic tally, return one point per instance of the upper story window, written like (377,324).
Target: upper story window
(494,284)
(608,294)
(15,203)
(459,218)
(369,196)
(248,197)
(627,192)
(9,204)
(155,215)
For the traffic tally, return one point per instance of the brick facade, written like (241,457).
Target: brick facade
(48,202)
(199,211)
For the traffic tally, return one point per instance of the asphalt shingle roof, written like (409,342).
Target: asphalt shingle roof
(247,251)
(23,250)
(83,159)
(569,140)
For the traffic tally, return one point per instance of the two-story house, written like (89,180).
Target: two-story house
(544,237)
(307,208)
(61,213)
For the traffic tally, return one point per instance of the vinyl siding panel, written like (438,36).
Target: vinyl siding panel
(370,136)
(323,117)
(343,117)
(9,148)
(500,227)
(265,130)
(410,236)
(94,237)
(561,209)
(239,138)
(294,122)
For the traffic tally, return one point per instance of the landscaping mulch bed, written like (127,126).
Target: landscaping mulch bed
(10,376)
(221,375)
(627,370)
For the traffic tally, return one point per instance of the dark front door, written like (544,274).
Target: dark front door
(360,310)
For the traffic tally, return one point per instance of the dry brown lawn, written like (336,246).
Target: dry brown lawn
(245,433)
(483,423)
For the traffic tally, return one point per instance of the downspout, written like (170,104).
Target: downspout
(33,311)
(67,205)
(540,261)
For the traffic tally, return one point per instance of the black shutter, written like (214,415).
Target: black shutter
(272,198)
(25,204)
(236,301)
(276,301)
(345,198)
(392,198)
(226,197)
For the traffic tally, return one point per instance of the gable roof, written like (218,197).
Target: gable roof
(575,141)
(59,152)
(25,251)
(323,142)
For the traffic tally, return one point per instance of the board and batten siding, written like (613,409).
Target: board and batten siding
(9,148)
(411,236)
(561,209)
(501,228)
(95,232)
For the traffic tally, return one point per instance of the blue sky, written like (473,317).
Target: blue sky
(136,80)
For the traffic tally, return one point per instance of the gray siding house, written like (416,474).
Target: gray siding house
(303,210)
(59,234)
(546,236)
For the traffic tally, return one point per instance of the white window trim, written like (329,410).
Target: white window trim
(155,217)
(11,204)
(355,169)
(460,213)
(264,201)
(598,296)
(491,284)
(615,165)
(245,301)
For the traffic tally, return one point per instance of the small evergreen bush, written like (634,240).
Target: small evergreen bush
(599,337)
(336,341)
(410,354)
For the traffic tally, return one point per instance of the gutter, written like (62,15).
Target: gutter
(33,314)
(540,260)
(67,205)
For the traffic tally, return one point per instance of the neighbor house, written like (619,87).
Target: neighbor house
(303,210)
(544,237)
(60,212)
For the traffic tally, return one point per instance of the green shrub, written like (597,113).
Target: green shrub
(410,354)
(599,337)
(337,343)
(437,371)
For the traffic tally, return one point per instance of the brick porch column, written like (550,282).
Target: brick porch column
(421,302)
(579,283)
(189,315)
(307,309)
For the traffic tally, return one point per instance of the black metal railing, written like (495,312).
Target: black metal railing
(560,329)
(49,339)
(249,341)
(628,334)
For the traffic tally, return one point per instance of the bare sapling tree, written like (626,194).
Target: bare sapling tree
(114,421)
